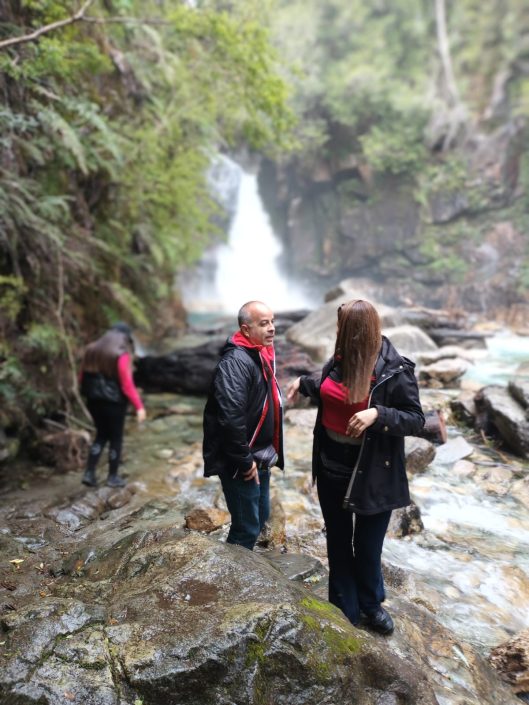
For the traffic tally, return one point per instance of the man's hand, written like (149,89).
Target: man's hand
(358,423)
(252,473)
(141,415)
(292,391)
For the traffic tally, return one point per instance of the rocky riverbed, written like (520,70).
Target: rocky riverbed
(130,596)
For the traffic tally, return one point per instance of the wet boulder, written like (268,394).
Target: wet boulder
(453,450)
(405,521)
(206,519)
(463,408)
(444,373)
(168,620)
(458,674)
(190,370)
(511,660)
(419,454)
(499,414)
(519,390)
(316,333)
(444,353)
(66,449)
(187,370)
(471,340)
(434,429)
(409,340)
(274,534)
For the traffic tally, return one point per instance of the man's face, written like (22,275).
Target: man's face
(261,329)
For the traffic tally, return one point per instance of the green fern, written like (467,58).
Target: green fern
(44,338)
(55,123)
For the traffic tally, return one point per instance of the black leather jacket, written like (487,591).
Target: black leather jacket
(380,482)
(233,409)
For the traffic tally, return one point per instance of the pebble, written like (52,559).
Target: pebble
(164,453)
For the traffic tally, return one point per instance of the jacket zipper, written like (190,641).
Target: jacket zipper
(347,497)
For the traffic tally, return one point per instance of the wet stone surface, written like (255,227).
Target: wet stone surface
(107,598)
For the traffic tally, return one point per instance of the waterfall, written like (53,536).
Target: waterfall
(247,266)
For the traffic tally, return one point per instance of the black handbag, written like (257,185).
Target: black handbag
(265,457)
(96,387)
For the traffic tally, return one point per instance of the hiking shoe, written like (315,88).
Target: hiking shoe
(380,622)
(89,478)
(116,481)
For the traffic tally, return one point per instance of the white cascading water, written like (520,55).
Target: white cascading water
(247,267)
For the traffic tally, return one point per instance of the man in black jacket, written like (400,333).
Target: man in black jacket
(243,435)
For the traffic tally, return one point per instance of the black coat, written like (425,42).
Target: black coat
(233,409)
(380,483)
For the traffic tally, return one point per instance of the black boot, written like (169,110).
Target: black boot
(380,622)
(115,480)
(89,477)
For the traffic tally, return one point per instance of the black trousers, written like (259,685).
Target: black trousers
(354,541)
(109,420)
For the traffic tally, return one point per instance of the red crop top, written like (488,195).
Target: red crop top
(336,409)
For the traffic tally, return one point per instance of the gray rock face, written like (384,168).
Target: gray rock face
(190,370)
(190,621)
(410,340)
(419,454)
(498,412)
(405,521)
(453,450)
(511,660)
(464,408)
(519,390)
(447,206)
(447,371)
(316,333)
(448,351)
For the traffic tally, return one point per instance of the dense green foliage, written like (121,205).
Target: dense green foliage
(372,70)
(379,100)
(107,128)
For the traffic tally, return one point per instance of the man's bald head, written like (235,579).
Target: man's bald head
(256,322)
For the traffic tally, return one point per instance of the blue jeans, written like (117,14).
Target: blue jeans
(355,571)
(249,506)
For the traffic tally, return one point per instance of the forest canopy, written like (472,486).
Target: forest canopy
(111,111)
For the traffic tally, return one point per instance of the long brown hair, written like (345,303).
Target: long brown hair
(102,355)
(358,342)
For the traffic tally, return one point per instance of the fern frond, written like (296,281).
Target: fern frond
(70,140)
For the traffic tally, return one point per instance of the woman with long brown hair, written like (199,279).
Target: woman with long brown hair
(107,385)
(368,401)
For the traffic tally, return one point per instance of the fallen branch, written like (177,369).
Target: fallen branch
(47,28)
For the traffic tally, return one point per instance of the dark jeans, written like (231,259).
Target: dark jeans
(355,571)
(109,420)
(249,506)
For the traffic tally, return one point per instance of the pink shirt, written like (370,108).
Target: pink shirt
(126,382)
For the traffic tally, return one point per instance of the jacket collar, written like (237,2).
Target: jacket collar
(390,361)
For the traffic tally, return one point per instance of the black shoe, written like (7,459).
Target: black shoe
(116,481)
(380,622)
(89,478)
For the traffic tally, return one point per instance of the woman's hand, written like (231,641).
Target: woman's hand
(358,423)
(293,391)
(140,415)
